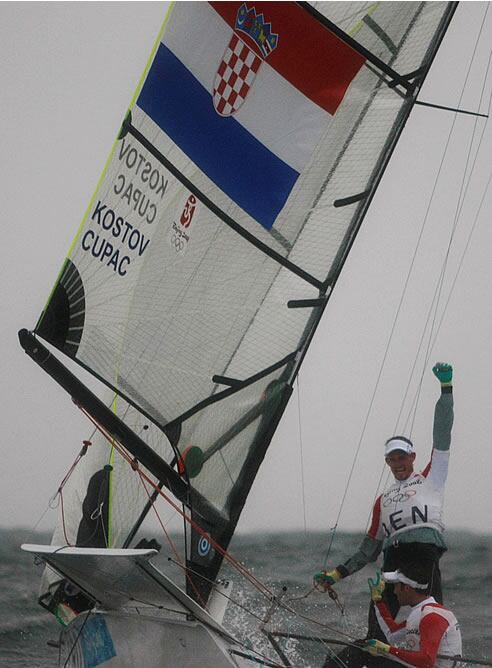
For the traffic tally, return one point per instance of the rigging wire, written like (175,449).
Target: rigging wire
(461,199)
(189,569)
(249,611)
(437,293)
(433,337)
(486,190)
(399,308)
(171,542)
(283,606)
(301,453)
(75,643)
(242,570)
(224,553)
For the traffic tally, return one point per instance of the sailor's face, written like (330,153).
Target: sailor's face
(401,593)
(401,464)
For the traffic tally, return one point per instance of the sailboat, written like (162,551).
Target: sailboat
(242,172)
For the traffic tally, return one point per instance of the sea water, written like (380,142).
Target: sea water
(284,563)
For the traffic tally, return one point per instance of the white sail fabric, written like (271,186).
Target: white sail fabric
(255,141)
(168,304)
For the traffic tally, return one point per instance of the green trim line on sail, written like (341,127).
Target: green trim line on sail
(110,493)
(132,104)
(110,157)
(151,57)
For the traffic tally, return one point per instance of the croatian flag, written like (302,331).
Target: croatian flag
(247,90)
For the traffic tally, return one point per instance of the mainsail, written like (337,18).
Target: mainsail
(233,193)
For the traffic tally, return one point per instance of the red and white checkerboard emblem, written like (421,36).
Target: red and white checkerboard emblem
(235,76)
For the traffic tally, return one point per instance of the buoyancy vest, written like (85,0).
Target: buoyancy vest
(451,640)
(412,503)
(407,634)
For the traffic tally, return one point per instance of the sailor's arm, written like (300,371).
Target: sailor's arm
(367,552)
(443,412)
(431,629)
(437,470)
(394,631)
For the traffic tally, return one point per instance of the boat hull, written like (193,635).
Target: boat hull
(129,640)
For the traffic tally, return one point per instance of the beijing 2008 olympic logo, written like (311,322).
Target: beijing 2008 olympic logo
(179,236)
(188,211)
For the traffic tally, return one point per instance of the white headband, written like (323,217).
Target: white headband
(398,576)
(398,443)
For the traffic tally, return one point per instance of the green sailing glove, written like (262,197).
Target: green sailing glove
(376,587)
(376,648)
(326,579)
(443,372)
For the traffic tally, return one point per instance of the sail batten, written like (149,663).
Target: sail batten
(231,199)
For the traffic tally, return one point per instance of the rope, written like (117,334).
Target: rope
(171,543)
(447,657)
(63,518)
(229,598)
(224,553)
(257,584)
(59,493)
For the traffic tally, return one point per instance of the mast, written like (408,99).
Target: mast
(364,199)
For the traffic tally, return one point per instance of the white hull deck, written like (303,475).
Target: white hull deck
(141,619)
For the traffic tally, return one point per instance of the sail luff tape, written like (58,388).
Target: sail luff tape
(110,156)
(141,81)
(152,54)
(132,103)
(110,493)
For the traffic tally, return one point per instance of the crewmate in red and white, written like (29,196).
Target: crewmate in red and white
(430,630)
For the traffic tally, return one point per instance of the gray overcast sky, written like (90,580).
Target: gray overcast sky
(68,73)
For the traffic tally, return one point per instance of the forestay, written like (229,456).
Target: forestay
(231,198)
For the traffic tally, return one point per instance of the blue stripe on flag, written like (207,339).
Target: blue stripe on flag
(248,172)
